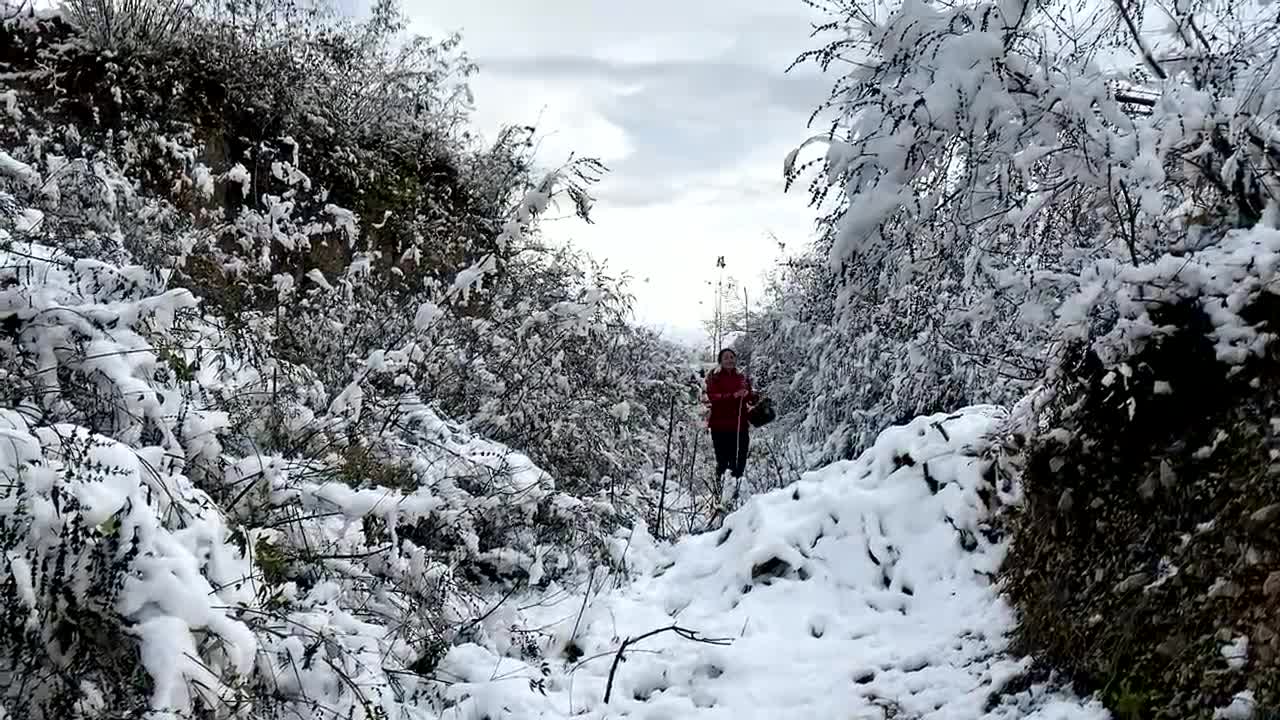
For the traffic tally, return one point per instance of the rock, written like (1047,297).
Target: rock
(1171,647)
(1231,546)
(1271,586)
(1225,589)
(1265,654)
(1265,516)
(1148,488)
(1131,583)
(1065,501)
(1167,477)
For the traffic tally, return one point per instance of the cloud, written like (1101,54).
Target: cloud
(657,29)
(683,118)
(565,110)
(686,101)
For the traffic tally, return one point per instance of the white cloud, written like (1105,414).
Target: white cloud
(686,101)
(563,110)
(657,29)
(670,249)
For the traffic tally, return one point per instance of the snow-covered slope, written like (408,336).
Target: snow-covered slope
(863,591)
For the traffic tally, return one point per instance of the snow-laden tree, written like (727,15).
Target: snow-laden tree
(321,235)
(253,317)
(989,164)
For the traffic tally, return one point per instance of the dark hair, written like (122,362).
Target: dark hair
(720,355)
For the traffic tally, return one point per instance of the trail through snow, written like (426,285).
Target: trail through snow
(863,591)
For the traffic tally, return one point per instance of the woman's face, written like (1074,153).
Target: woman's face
(728,360)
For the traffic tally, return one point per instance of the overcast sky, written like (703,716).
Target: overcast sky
(685,100)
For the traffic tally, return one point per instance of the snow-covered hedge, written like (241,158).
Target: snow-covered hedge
(331,237)
(142,558)
(241,382)
(988,178)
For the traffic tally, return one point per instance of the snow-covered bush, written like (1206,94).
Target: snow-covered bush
(1151,499)
(129,24)
(330,236)
(986,162)
(150,562)
(838,376)
(253,317)
(1077,200)
(552,365)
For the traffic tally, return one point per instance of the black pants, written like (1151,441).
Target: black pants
(731,451)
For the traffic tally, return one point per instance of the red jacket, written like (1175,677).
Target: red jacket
(728,412)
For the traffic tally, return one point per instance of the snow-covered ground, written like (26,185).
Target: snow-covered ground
(863,591)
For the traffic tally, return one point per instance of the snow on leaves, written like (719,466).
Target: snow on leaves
(1001,178)
(228,485)
(229,575)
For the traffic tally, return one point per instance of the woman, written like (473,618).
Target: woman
(731,398)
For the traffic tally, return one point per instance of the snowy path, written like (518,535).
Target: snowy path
(870,599)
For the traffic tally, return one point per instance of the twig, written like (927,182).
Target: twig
(507,596)
(682,632)
(1137,40)
(662,497)
(573,636)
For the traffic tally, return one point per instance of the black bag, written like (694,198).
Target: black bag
(762,414)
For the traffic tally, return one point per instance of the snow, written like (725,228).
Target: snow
(428,313)
(18,170)
(318,278)
(1222,279)
(239,174)
(876,606)
(1165,571)
(168,595)
(9,100)
(343,220)
(1236,653)
(1241,708)
(202,177)
(621,410)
